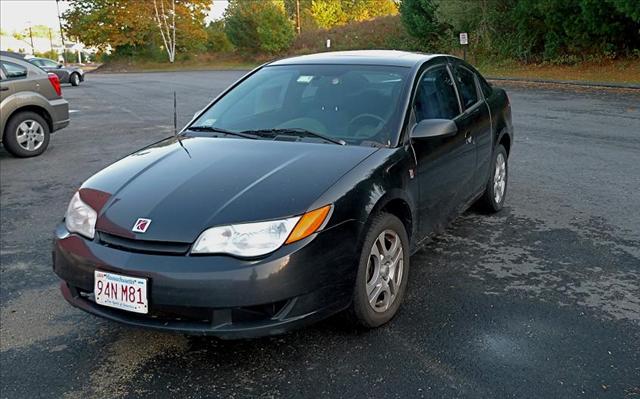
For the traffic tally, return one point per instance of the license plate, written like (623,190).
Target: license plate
(122,292)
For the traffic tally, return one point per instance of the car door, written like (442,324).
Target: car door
(444,164)
(5,87)
(475,122)
(17,77)
(52,66)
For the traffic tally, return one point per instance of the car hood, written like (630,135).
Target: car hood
(188,186)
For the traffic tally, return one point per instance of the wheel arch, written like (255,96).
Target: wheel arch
(396,203)
(30,108)
(504,139)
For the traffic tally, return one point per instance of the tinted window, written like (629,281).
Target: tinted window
(353,103)
(467,87)
(435,96)
(14,71)
(48,63)
(485,87)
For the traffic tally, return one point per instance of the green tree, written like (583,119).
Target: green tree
(420,19)
(217,39)
(562,31)
(129,24)
(41,31)
(330,13)
(630,8)
(566,30)
(364,10)
(307,21)
(259,25)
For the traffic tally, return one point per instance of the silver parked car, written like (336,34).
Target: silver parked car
(31,106)
(66,74)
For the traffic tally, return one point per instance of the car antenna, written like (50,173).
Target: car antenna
(175,124)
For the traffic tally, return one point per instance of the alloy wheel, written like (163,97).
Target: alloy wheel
(384,270)
(30,135)
(499,178)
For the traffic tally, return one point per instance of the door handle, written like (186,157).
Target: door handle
(468,137)
(4,88)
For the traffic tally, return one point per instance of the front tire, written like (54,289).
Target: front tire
(74,79)
(496,190)
(383,272)
(26,135)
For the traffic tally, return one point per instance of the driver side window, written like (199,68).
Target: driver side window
(436,96)
(48,63)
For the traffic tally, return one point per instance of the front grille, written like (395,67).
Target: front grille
(209,316)
(142,246)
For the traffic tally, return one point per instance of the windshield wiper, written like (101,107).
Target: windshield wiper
(219,130)
(297,132)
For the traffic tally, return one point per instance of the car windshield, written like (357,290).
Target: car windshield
(48,63)
(354,104)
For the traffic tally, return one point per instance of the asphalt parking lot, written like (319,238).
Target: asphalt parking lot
(540,300)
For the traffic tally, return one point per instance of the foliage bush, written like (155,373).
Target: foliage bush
(217,40)
(259,25)
(555,31)
(419,18)
(51,54)
(380,33)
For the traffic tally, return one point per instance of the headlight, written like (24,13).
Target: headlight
(250,239)
(256,239)
(80,217)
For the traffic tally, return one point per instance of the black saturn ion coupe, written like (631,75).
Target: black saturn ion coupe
(300,192)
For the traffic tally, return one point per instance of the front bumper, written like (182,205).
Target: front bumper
(219,295)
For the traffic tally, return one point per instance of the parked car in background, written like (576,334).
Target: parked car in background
(66,74)
(31,106)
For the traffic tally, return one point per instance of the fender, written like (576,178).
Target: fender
(372,185)
(21,99)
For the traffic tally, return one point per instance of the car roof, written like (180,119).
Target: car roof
(361,57)
(11,54)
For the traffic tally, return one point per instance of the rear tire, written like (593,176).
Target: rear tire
(383,272)
(74,79)
(496,190)
(26,135)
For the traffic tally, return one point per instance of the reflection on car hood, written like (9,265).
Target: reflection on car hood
(216,181)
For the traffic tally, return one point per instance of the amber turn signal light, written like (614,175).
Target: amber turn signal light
(308,224)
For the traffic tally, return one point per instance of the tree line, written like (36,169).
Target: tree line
(526,30)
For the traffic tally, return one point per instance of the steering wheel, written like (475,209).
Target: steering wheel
(375,128)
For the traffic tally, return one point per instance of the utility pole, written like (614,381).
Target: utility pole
(33,49)
(61,32)
(51,41)
(298,16)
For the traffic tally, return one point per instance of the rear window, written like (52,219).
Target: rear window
(14,71)
(485,87)
(467,85)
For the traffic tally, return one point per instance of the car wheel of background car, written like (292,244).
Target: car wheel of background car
(74,79)
(496,190)
(26,135)
(383,272)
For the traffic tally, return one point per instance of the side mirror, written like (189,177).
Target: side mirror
(434,128)
(60,66)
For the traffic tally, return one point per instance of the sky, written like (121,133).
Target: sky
(17,15)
